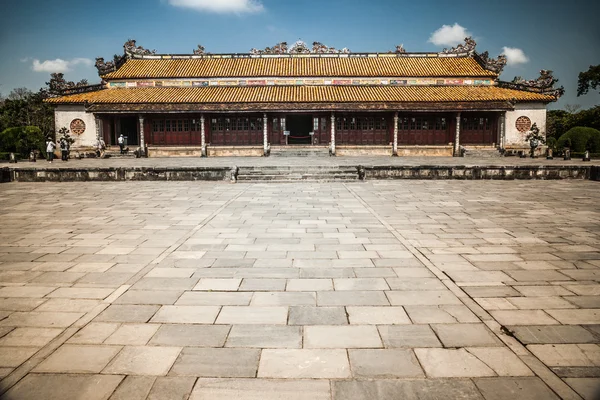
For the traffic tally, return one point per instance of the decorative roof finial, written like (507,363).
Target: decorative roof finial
(468,47)
(131,49)
(299,48)
(199,51)
(492,64)
(544,84)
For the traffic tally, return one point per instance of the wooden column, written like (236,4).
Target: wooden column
(202,136)
(142,144)
(456,152)
(265,135)
(395,146)
(332,148)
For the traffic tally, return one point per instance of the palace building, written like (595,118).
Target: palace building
(395,103)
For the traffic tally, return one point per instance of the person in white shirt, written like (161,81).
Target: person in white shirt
(121,142)
(50,146)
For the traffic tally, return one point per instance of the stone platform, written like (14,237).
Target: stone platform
(376,290)
(309,168)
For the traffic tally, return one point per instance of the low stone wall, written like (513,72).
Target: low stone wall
(427,151)
(465,172)
(211,151)
(234,151)
(478,172)
(120,174)
(363,151)
(175,151)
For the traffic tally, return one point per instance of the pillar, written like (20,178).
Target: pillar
(395,146)
(332,148)
(202,136)
(502,130)
(98,127)
(456,152)
(265,135)
(142,143)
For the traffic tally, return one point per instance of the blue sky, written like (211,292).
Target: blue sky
(37,36)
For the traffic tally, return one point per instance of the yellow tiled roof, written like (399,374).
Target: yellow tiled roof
(302,67)
(301,94)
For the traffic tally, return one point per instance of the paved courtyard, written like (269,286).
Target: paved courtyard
(371,290)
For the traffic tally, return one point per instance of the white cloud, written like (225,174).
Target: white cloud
(59,65)
(514,56)
(449,35)
(221,6)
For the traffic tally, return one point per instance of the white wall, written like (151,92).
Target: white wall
(64,114)
(536,113)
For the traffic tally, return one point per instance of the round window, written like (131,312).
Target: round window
(77,126)
(523,124)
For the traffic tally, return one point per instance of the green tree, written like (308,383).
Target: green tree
(58,84)
(589,79)
(21,140)
(19,94)
(580,139)
(28,111)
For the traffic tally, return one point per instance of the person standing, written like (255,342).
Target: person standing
(121,142)
(64,149)
(50,147)
(101,147)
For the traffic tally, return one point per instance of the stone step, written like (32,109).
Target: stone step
(276,171)
(117,154)
(300,152)
(297,173)
(297,177)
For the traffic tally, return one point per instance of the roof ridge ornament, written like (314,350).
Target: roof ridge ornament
(493,64)
(109,66)
(543,84)
(131,49)
(299,47)
(279,48)
(468,47)
(320,48)
(199,51)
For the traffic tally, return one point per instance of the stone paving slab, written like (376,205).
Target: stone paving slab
(257,290)
(260,389)
(410,389)
(52,387)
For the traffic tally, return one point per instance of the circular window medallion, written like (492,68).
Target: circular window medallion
(523,124)
(77,126)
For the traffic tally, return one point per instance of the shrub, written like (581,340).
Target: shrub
(580,139)
(21,140)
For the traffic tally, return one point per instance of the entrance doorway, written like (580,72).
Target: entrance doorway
(299,127)
(129,129)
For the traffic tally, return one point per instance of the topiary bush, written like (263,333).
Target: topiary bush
(580,139)
(21,140)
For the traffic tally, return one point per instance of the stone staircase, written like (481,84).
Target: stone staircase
(299,151)
(481,152)
(297,173)
(117,153)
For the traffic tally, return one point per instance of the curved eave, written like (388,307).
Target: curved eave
(302,94)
